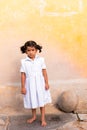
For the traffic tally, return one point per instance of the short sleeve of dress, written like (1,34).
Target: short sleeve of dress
(43,64)
(22,68)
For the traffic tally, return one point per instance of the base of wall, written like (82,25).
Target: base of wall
(11,96)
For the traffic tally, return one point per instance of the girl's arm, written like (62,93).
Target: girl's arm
(45,78)
(23,77)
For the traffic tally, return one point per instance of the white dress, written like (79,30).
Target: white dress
(37,95)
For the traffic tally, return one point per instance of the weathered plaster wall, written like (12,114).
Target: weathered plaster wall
(59,26)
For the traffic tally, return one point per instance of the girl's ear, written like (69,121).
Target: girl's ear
(26,51)
(36,49)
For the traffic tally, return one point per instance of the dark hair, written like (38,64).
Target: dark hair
(30,44)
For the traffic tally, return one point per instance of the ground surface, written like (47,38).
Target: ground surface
(15,119)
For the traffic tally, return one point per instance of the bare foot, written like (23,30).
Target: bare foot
(43,123)
(30,121)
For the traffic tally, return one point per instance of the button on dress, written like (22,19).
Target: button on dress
(36,95)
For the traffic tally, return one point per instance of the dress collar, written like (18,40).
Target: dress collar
(27,58)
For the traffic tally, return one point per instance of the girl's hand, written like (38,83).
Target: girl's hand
(23,90)
(46,86)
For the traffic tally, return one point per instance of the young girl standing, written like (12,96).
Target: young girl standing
(34,81)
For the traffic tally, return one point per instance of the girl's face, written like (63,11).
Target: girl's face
(31,52)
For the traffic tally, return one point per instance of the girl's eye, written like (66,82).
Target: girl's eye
(31,50)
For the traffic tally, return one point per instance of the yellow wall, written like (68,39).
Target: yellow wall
(60,26)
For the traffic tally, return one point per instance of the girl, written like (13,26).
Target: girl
(34,81)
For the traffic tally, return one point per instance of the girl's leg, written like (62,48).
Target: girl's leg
(33,117)
(43,122)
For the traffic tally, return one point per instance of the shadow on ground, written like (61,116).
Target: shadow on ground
(53,121)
